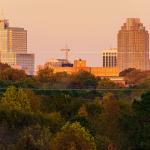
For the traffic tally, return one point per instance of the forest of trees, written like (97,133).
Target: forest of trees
(57,111)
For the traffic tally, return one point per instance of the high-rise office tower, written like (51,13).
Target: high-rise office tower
(13,47)
(12,39)
(133,46)
(109,58)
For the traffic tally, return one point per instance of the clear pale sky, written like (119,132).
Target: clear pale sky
(87,26)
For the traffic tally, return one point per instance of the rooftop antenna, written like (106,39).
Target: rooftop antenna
(66,50)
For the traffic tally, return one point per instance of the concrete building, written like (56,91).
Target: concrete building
(133,46)
(97,71)
(58,63)
(80,63)
(109,57)
(12,39)
(26,61)
(13,47)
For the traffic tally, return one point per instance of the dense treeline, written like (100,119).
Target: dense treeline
(46,79)
(33,117)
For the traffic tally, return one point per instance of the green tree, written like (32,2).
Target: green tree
(21,100)
(126,71)
(94,109)
(136,77)
(106,84)
(34,138)
(61,80)
(28,82)
(15,99)
(109,119)
(12,74)
(142,110)
(45,74)
(73,137)
(83,79)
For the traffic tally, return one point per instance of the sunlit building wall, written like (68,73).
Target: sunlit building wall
(8,57)
(133,46)
(109,57)
(97,71)
(80,63)
(13,47)
(12,39)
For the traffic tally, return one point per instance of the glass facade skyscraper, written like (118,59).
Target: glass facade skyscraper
(13,47)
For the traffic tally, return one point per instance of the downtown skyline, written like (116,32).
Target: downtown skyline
(87,29)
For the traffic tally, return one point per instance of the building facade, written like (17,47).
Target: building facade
(80,63)
(12,39)
(133,46)
(109,58)
(26,61)
(96,71)
(13,47)
(58,63)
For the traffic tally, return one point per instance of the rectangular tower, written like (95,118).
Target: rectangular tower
(13,47)
(109,58)
(12,39)
(133,46)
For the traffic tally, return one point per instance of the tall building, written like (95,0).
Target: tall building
(133,45)
(12,39)
(109,58)
(13,47)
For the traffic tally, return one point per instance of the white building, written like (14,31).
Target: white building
(109,57)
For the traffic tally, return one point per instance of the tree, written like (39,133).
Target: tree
(12,74)
(142,110)
(45,74)
(142,107)
(94,108)
(109,119)
(28,82)
(83,79)
(34,100)
(82,111)
(34,138)
(15,99)
(4,66)
(73,137)
(21,100)
(106,84)
(61,80)
(126,71)
(134,76)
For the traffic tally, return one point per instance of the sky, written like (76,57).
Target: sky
(86,26)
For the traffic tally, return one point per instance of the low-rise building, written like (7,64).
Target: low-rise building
(80,63)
